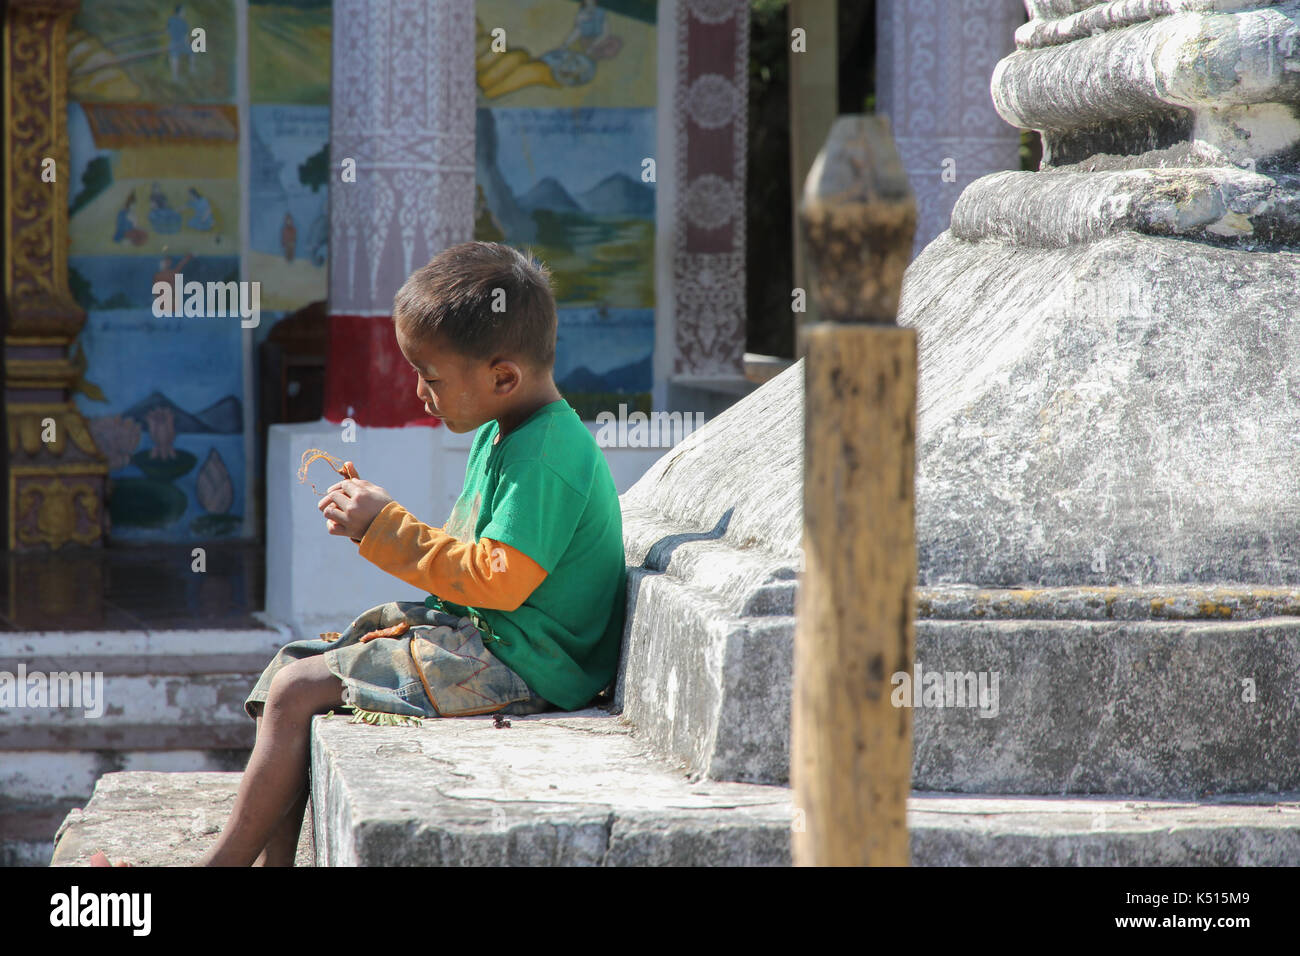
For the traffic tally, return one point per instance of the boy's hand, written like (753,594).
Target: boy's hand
(351,505)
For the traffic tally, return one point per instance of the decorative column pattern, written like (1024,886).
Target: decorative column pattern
(56,474)
(710,104)
(402,110)
(934,61)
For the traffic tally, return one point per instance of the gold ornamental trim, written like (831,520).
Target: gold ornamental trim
(55,503)
(35,212)
(27,425)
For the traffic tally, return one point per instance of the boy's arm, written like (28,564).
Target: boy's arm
(488,574)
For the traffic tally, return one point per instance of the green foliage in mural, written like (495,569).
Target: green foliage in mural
(97,177)
(315,172)
(84,294)
(145,502)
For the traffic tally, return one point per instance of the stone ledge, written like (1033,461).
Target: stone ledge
(1242,830)
(1157,602)
(1185,60)
(155,819)
(1140,707)
(171,819)
(1054,209)
(546,791)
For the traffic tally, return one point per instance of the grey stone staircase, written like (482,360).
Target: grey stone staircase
(171,700)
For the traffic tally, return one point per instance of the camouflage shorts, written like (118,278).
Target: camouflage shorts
(438,668)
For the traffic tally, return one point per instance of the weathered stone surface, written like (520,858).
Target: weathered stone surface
(155,819)
(705,668)
(1243,830)
(546,791)
(1230,79)
(1099,690)
(1169,603)
(1156,708)
(171,819)
(1113,413)
(1057,208)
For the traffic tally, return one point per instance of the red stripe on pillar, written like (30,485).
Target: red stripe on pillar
(366,372)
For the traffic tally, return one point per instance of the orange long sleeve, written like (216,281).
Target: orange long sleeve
(485,574)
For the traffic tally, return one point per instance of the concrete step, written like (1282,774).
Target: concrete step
(1172,691)
(582,790)
(1158,708)
(133,690)
(145,700)
(150,818)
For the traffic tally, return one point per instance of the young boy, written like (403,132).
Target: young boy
(527,578)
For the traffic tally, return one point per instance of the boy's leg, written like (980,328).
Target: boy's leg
(282,848)
(277,769)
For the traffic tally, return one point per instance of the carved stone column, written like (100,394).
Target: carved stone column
(56,476)
(402,110)
(709,161)
(934,59)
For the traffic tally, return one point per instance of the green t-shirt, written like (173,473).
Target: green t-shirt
(545,489)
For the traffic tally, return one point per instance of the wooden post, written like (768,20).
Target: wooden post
(851,749)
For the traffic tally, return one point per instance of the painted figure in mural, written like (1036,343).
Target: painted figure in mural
(589,35)
(167,269)
(573,63)
(178,49)
(162,216)
(202,218)
(288,237)
(116,437)
(162,431)
(126,227)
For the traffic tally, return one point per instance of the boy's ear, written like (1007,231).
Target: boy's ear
(506,376)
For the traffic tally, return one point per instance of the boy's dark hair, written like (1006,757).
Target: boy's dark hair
(453,296)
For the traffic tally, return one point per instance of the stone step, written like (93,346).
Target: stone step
(37,788)
(156,700)
(27,830)
(582,790)
(1154,708)
(132,690)
(149,818)
(1238,830)
(1179,693)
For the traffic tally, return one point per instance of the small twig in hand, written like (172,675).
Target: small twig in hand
(311,455)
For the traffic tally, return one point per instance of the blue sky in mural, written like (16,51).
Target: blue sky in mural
(612,345)
(577,148)
(119,282)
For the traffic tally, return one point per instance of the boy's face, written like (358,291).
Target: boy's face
(462,391)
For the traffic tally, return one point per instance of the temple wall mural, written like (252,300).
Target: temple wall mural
(213,166)
(164,187)
(564,150)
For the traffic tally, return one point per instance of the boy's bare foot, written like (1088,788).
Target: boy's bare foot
(99,859)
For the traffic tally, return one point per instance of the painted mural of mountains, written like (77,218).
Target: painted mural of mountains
(615,195)
(635,376)
(548,194)
(619,195)
(225,417)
